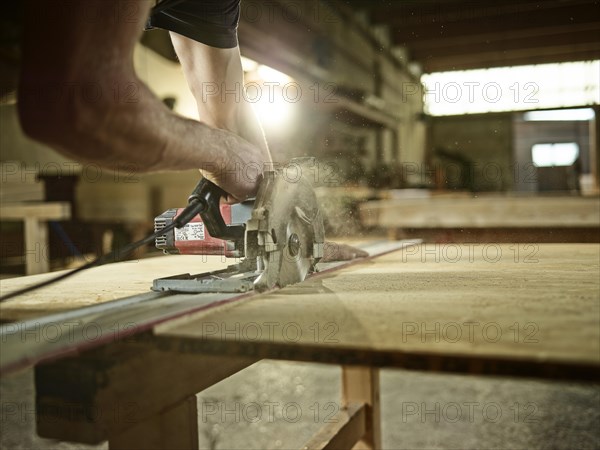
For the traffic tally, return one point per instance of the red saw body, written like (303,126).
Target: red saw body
(194,238)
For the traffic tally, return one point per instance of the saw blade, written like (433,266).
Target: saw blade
(285,232)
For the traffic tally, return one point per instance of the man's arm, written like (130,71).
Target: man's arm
(79,94)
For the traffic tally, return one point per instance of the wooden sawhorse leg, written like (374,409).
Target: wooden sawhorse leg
(361,385)
(358,424)
(36,246)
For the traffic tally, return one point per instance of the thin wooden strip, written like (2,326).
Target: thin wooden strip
(41,211)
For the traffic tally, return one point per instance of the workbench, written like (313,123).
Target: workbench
(487,217)
(519,310)
(35,216)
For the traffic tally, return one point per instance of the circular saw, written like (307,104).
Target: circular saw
(280,234)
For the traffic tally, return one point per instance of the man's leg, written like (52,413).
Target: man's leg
(216,79)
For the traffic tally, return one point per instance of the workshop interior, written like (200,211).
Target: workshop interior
(418,267)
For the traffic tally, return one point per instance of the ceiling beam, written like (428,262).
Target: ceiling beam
(523,56)
(421,12)
(435,28)
(505,42)
(467,34)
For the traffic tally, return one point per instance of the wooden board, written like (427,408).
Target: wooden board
(527,310)
(482,212)
(98,285)
(405,309)
(35,210)
(51,336)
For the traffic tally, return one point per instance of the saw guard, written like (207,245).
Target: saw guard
(285,233)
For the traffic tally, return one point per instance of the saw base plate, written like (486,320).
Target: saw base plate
(237,278)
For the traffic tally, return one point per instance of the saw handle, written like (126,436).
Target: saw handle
(206,201)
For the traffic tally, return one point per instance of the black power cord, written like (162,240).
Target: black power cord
(196,205)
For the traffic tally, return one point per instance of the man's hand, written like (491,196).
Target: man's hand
(341,252)
(237,167)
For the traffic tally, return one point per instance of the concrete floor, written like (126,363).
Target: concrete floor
(274,405)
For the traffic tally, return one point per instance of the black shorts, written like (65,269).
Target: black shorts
(212,22)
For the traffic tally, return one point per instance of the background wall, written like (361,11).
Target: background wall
(472,152)
(527,134)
